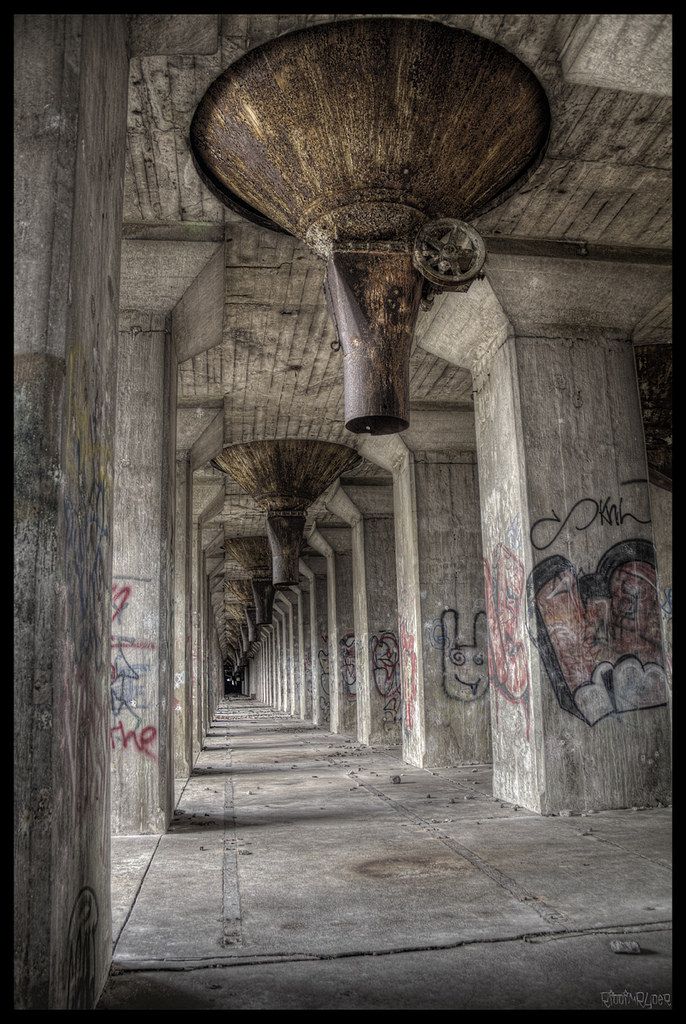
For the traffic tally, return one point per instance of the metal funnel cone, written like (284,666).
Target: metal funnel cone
(356,135)
(254,554)
(284,477)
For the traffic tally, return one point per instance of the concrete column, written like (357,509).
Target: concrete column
(71,76)
(335,544)
(216,674)
(279,657)
(303,708)
(290,599)
(451,573)
(440,581)
(578,671)
(285,607)
(315,570)
(379,717)
(183,697)
(392,454)
(274,652)
(581,712)
(141,675)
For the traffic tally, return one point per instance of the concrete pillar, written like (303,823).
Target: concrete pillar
(315,569)
(379,713)
(440,585)
(285,608)
(578,671)
(335,543)
(278,616)
(183,697)
(303,708)
(451,573)
(581,696)
(272,691)
(391,453)
(71,75)
(141,670)
(216,673)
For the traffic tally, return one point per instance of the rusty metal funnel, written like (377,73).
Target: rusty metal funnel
(374,140)
(374,299)
(254,554)
(284,477)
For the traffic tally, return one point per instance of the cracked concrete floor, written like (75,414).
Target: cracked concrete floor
(303,870)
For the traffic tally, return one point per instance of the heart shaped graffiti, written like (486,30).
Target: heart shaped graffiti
(599,633)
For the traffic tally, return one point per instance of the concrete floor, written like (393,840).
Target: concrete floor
(303,870)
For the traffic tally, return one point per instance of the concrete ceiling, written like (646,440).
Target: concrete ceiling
(257,350)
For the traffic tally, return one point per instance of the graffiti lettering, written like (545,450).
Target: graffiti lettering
(143,740)
(127,683)
(582,515)
(599,634)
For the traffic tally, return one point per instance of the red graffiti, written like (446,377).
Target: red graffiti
(409,672)
(120,597)
(508,668)
(599,633)
(142,739)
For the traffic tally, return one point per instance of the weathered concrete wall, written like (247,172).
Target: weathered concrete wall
(141,674)
(70,119)
(455,645)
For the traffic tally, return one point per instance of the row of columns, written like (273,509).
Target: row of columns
(518,619)
(548,532)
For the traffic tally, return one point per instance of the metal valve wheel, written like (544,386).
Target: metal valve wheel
(449,253)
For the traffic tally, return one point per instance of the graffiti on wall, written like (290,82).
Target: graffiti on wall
(347,663)
(83,741)
(82,951)
(610,511)
(307,669)
(323,659)
(385,662)
(128,669)
(464,658)
(507,663)
(599,633)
